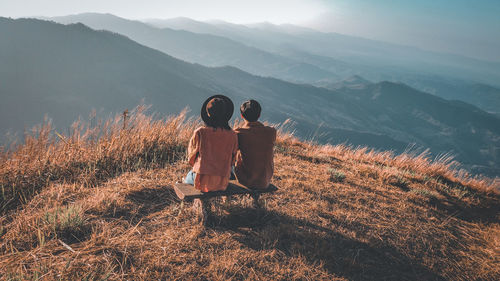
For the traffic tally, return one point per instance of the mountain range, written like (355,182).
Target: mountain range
(68,70)
(303,55)
(206,49)
(385,58)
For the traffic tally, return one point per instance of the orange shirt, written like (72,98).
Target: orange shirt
(254,161)
(211,153)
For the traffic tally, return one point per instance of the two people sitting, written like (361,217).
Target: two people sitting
(215,147)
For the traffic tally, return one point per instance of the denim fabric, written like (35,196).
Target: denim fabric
(232,176)
(189,179)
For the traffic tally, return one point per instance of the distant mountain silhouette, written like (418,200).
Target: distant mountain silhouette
(447,76)
(209,50)
(353,82)
(65,71)
(481,95)
(433,121)
(355,49)
(299,54)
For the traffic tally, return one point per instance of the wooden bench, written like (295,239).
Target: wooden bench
(201,204)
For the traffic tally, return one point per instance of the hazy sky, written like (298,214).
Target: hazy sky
(468,27)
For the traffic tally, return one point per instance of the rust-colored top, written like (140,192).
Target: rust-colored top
(211,153)
(254,160)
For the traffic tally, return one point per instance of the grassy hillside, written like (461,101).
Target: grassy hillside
(98,204)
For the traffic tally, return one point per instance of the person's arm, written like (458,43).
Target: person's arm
(194,148)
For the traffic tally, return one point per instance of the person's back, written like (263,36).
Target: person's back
(254,161)
(211,152)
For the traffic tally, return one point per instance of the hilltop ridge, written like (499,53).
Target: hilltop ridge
(98,204)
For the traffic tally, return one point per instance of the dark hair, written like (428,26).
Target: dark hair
(216,110)
(250,110)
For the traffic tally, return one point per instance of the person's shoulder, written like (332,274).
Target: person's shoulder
(199,129)
(221,131)
(271,132)
(243,129)
(269,128)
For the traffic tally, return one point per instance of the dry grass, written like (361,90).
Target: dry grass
(90,154)
(340,213)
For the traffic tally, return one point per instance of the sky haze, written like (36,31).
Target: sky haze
(466,27)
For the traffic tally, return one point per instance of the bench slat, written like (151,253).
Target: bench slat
(188,192)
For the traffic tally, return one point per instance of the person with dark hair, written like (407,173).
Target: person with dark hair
(254,161)
(250,110)
(212,148)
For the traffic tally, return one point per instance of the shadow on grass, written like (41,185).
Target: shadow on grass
(338,254)
(140,204)
(475,206)
(150,200)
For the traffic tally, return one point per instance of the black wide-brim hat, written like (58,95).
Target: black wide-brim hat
(228,104)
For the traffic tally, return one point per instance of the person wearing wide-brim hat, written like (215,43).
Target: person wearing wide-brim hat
(212,148)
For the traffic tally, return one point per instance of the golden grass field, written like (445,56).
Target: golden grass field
(97,204)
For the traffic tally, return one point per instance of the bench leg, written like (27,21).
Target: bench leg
(181,207)
(199,209)
(256,202)
(202,209)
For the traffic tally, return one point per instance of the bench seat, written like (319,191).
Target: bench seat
(187,192)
